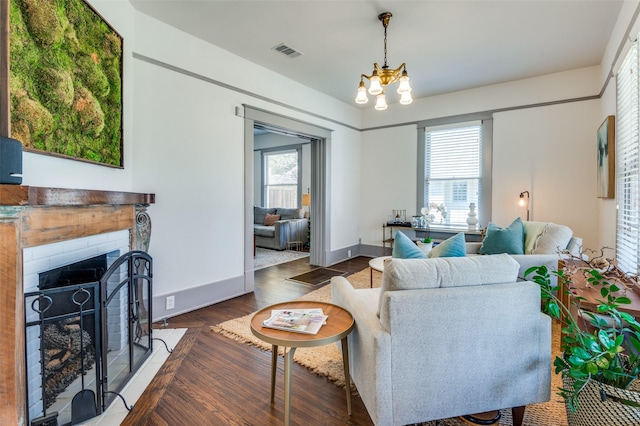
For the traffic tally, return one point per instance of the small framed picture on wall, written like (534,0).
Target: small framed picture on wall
(606,160)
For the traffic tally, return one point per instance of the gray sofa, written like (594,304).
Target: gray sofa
(545,243)
(292,226)
(445,337)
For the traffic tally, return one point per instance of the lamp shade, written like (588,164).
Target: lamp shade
(381,102)
(404,86)
(405,98)
(306,199)
(362,94)
(375,87)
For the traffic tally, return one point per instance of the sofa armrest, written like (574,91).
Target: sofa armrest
(298,230)
(369,347)
(281,234)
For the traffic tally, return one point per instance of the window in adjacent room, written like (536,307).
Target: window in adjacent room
(628,164)
(455,171)
(281,179)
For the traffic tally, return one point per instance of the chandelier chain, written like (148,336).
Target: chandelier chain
(385,46)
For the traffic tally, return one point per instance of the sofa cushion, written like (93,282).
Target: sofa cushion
(264,231)
(532,231)
(553,237)
(504,240)
(451,247)
(415,274)
(404,248)
(287,214)
(270,219)
(259,214)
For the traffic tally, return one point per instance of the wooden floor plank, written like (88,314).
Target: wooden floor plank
(213,380)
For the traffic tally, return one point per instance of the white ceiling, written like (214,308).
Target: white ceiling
(448,45)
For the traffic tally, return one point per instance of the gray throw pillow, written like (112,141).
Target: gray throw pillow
(288,214)
(259,214)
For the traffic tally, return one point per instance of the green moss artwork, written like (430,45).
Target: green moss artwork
(65,81)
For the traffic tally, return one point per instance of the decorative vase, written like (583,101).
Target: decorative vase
(425,247)
(472,219)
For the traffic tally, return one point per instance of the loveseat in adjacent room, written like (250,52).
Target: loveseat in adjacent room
(275,227)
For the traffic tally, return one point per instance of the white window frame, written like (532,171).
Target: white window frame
(265,184)
(485,199)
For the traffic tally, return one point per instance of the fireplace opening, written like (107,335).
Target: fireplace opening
(69,335)
(87,332)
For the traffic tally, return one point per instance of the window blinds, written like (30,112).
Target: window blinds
(627,163)
(453,169)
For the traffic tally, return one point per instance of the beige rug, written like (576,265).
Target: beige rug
(327,360)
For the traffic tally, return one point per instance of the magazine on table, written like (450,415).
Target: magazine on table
(307,321)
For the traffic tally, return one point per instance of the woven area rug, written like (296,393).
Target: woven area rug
(327,360)
(265,257)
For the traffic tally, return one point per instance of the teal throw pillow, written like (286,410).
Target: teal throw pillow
(508,240)
(404,248)
(451,247)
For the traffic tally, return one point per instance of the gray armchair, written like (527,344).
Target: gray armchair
(447,337)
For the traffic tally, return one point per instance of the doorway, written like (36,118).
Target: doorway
(320,140)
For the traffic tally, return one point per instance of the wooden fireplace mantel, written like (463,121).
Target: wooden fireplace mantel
(31,216)
(19,195)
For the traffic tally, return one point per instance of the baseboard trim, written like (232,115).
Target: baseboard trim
(190,299)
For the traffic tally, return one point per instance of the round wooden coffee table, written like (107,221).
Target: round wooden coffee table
(376,264)
(339,325)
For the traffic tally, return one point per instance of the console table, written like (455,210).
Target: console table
(437,233)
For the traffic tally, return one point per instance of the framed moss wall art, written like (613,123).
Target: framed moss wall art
(65,81)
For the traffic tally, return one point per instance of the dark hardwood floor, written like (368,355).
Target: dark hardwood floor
(212,380)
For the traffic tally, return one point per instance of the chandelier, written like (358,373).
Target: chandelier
(381,77)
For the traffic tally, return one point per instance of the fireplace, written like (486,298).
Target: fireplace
(34,217)
(87,332)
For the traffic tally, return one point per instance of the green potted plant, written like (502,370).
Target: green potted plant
(425,244)
(600,358)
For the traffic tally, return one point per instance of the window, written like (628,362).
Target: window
(628,163)
(454,172)
(281,179)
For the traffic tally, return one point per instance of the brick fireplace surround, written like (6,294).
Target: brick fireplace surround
(30,217)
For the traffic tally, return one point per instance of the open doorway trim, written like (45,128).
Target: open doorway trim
(320,147)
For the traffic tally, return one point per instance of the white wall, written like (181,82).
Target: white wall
(189,150)
(550,152)
(547,150)
(388,179)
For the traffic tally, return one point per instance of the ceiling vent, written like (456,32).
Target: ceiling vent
(287,50)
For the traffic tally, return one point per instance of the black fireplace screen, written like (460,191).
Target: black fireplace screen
(85,340)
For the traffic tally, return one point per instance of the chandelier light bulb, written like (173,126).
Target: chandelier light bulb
(375,88)
(381,102)
(404,86)
(405,98)
(362,94)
